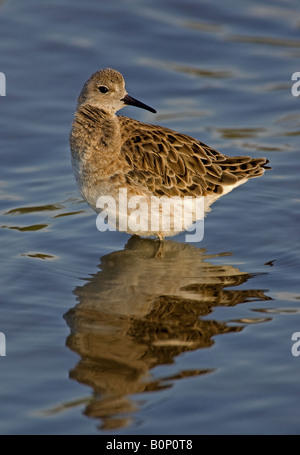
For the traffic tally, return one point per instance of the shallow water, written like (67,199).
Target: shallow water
(101,338)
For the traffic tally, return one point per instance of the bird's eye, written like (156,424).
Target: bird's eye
(103,89)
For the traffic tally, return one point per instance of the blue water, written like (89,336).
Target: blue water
(101,338)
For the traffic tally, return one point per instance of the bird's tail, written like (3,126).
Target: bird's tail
(244,167)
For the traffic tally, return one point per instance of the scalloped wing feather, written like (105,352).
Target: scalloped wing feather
(169,163)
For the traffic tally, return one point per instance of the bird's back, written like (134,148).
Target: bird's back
(173,164)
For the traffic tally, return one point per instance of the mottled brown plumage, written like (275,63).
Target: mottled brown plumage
(174,164)
(110,152)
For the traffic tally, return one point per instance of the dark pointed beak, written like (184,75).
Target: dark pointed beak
(133,102)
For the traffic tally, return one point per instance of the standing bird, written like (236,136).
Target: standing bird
(112,153)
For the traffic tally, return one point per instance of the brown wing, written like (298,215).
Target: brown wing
(173,164)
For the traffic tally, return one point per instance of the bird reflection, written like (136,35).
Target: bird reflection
(139,312)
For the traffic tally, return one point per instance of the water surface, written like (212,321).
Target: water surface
(102,338)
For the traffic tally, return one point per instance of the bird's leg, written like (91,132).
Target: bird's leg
(160,249)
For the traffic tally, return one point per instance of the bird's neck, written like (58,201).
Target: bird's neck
(95,135)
